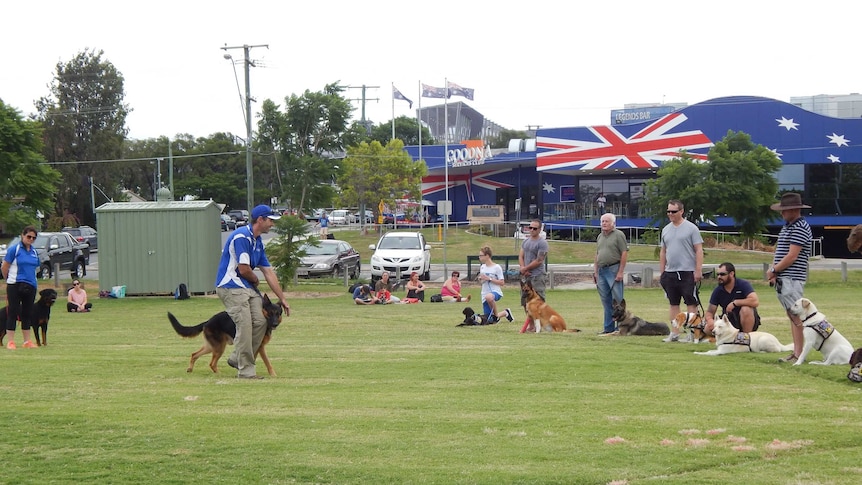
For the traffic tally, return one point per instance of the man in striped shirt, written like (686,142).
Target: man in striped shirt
(789,269)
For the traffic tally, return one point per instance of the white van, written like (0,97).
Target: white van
(339,217)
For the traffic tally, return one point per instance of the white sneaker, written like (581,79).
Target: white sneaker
(671,338)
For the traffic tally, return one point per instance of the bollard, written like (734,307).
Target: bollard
(647,279)
(551,278)
(844,271)
(346,276)
(766,267)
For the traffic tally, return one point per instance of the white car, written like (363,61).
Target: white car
(399,254)
(339,217)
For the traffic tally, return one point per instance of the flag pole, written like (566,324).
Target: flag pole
(446,171)
(393,109)
(419,122)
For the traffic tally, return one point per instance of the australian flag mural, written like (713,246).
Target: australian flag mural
(797,136)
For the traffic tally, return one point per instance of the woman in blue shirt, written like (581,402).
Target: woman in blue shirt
(19,270)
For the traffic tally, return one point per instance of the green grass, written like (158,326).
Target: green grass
(398,394)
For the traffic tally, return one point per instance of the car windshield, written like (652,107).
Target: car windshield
(400,242)
(40,242)
(322,250)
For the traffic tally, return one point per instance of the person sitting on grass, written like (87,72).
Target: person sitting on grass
(363,295)
(384,291)
(415,289)
(451,290)
(77,299)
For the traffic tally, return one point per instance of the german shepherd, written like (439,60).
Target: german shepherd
(632,325)
(220,330)
(539,311)
(39,319)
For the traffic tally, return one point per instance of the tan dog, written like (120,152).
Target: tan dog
(540,312)
(694,324)
(854,241)
(820,333)
(729,340)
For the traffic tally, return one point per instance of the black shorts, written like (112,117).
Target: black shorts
(733,318)
(679,285)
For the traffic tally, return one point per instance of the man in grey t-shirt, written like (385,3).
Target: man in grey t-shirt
(680,262)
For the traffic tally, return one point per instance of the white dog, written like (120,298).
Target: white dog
(729,340)
(821,334)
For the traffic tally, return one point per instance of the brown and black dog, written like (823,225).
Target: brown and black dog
(40,317)
(220,330)
(540,312)
(629,324)
(694,324)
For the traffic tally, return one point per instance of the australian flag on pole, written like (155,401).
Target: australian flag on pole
(396,94)
(432,92)
(455,90)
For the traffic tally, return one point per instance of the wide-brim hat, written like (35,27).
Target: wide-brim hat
(789,200)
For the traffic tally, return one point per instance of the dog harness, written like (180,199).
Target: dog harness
(741,338)
(855,373)
(824,328)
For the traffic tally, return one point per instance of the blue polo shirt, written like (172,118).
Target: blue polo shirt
(241,248)
(23,265)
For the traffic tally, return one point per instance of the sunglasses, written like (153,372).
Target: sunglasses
(534,228)
(673,212)
(722,273)
(76,284)
(30,236)
(455,275)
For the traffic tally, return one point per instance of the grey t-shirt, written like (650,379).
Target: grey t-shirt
(679,242)
(532,248)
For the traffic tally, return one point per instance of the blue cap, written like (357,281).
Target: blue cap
(264,211)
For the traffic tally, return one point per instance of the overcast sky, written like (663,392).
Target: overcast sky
(540,62)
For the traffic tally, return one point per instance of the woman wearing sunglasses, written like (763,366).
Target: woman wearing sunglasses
(19,270)
(77,299)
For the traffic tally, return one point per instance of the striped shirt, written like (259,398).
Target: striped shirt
(797,233)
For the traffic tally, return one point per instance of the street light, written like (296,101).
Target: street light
(247,112)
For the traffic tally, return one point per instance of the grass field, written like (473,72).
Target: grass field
(398,394)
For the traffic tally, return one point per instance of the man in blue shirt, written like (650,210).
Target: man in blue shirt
(736,298)
(237,287)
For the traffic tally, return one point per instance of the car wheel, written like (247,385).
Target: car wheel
(427,275)
(79,270)
(336,271)
(44,272)
(355,272)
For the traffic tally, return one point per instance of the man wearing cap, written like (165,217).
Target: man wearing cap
(789,269)
(236,286)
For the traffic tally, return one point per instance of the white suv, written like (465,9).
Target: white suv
(401,252)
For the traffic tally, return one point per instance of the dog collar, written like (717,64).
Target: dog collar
(809,316)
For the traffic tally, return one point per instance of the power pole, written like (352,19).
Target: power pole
(249,173)
(363,99)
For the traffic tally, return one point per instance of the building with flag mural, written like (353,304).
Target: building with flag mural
(558,176)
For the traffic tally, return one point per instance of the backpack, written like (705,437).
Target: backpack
(436,298)
(182,292)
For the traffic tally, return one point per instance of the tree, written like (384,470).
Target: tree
(29,185)
(406,130)
(307,138)
(738,180)
(84,118)
(372,172)
(284,251)
(502,141)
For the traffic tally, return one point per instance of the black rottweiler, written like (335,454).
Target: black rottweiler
(472,318)
(220,330)
(42,313)
(40,317)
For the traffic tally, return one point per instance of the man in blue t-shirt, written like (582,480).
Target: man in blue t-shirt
(736,298)
(237,287)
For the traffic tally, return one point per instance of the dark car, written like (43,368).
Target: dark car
(227,223)
(240,216)
(329,258)
(84,234)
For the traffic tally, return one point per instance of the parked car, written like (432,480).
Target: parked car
(388,217)
(338,217)
(369,217)
(227,223)
(84,234)
(329,258)
(59,248)
(240,216)
(399,254)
